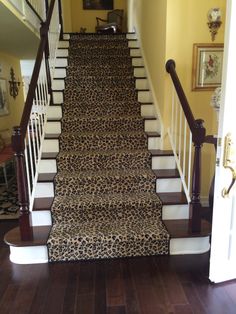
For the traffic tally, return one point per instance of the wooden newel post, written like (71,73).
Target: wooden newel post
(195,204)
(23,197)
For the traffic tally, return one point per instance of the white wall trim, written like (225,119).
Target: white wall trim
(151,87)
(29,254)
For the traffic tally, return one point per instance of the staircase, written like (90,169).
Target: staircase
(103,182)
(105,201)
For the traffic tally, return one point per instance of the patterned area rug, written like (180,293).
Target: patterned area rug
(9,208)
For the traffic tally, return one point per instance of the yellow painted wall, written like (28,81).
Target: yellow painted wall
(168,29)
(15,105)
(66,13)
(87,18)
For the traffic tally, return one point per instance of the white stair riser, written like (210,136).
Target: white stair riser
(163,162)
(44,190)
(54,113)
(168,185)
(29,254)
(60,73)
(53,128)
(64,44)
(135,52)
(170,212)
(142,84)
(133,44)
(139,72)
(137,62)
(58,98)
(147,110)
(47,166)
(41,218)
(145,96)
(154,143)
(131,36)
(62,52)
(66,36)
(50,146)
(189,245)
(152,126)
(58,85)
(61,62)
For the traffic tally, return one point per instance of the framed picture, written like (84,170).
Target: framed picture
(98,4)
(207,66)
(3,97)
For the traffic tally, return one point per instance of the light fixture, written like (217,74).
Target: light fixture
(214,18)
(14,85)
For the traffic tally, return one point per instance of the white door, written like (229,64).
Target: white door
(223,247)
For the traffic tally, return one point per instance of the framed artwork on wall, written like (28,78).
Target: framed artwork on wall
(98,4)
(207,66)
(4,107)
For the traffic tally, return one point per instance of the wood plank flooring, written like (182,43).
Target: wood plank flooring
(146,285)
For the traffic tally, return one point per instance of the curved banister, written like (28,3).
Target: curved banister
(30,130)
(35,74)
(34,10)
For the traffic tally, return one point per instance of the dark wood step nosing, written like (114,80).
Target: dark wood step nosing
(140,78)
(59,78)
(153,134)
(161,153)
(40,237)
(61,68)
(149,118)
(146,103)
(166,173)
(42,203)
(181,228)
(142,90)
(60,57)
(173,198)
(46,177)
(50,155)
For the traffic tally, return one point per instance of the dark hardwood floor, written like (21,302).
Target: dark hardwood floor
(147,285)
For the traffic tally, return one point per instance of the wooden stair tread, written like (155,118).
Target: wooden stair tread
(181,228)
(153,134)
(173,198)
(43,203)
(166,173)
(149,117)
(40,237)
(46,177)
(160,152)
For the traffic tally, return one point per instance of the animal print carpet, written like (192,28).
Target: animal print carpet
(105,201)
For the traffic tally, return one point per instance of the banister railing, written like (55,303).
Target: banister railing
(38,7)
(184,131)
(27,138)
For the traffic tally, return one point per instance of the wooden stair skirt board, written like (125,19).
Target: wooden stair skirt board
(69,160)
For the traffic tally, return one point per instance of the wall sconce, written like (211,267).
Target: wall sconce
(214,18)
(14,85)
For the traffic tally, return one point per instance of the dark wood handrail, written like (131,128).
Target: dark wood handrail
(196,126)
(199,137)
(33,84)
(19,132)
(34,10)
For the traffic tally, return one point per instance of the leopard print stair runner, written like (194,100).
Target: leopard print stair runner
(105,203)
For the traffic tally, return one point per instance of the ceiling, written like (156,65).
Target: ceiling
(16,38)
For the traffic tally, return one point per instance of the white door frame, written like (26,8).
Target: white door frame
(223,246)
